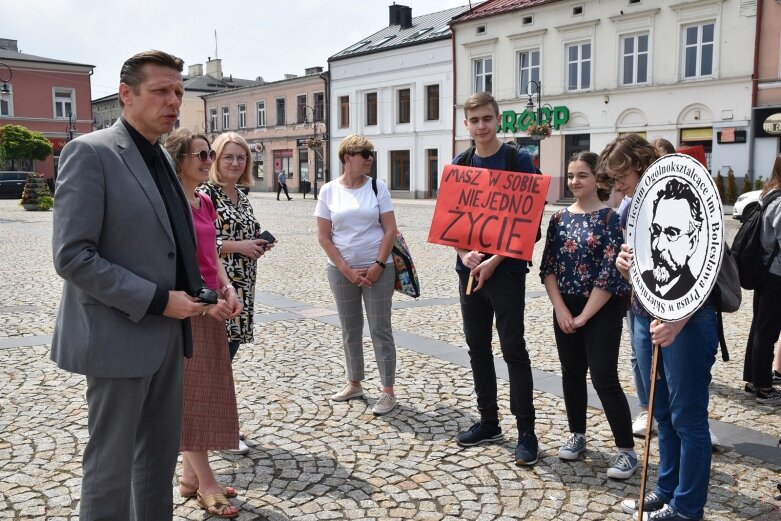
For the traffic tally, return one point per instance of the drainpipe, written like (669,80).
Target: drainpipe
(453,127)
(754,89)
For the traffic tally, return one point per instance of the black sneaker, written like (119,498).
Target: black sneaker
(652,504)
(664,514)
(527,450)
(769,397)
(750,389)
(483,431)
(776,377)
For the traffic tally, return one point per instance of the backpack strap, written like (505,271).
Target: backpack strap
(466,157)
(511,157)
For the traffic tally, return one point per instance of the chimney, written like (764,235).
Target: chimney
(290,76)
(214,68)
(312,70)
(394,14)
(195,70)
(8,45)
(405,17)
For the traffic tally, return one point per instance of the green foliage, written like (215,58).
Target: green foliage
(731,192)
(21,143)
(720,184)
(759,184)
(746,184)
(36,194)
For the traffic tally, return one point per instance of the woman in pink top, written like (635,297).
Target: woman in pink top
(207,424)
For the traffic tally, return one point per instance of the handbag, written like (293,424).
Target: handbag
(406,282)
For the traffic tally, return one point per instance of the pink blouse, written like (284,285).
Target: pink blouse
(206,240)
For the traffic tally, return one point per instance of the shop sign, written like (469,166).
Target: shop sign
(772,125)
(513,121)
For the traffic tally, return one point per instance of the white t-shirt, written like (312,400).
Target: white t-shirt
(355,219)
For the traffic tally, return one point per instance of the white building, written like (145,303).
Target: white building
(679,70)
(396,88)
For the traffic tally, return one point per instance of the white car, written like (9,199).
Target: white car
(745,203)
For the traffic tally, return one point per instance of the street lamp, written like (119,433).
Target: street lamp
(538,129)
(316,141)
(4,90)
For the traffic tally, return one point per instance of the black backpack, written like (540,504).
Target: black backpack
(747,246)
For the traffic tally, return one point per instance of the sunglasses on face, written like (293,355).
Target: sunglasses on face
(203,155)
(365,153)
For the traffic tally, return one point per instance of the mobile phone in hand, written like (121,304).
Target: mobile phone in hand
(266,236)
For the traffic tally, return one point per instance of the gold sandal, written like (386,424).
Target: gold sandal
(227,491)
(216,504)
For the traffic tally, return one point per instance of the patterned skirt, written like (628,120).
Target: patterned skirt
(210,419)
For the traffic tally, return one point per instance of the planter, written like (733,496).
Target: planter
(537,137)
(32,207)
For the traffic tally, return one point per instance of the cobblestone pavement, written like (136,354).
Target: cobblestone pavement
(313,459)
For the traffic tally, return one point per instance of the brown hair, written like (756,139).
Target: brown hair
(353,144)
(628,152)
(132,72)
(774,181)
(604,186)
(663,146)
(219,145)
(178,144)
(480,99)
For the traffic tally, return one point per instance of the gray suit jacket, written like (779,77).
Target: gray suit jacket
(112,245)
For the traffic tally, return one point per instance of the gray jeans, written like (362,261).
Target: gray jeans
(377,299)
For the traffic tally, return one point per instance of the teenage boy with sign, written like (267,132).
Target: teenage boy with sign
(675,236)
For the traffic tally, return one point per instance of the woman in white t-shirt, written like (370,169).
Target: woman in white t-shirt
(357,227)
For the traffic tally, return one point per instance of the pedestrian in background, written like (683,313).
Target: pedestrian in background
(282,185)
(356,228)
(210,420)
(587,292)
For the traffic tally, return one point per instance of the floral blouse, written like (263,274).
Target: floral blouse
(581,250)
(236,222)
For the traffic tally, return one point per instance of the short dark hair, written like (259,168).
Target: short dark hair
(132,72)
(676,190)
(604,185)
(480,99)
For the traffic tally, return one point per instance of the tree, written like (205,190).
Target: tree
(747,187)
(18,142)
(731,192)
(720,185)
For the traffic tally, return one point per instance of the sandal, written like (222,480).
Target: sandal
(216,504)
(193,490)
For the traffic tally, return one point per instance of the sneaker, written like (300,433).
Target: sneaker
(349,392)
(663,514)
(776,377)
(639,424)
(769,397)
(483,431)
(527,451)
(384,405)
(750,389)
(622,466)
(574,447)
(242,450)
(652,504)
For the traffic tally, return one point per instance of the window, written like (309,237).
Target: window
(7,103)
(319,102)
(371,108)
(698,50)
(260,106)
(579,66)
(242,115)
(301,109)
(63,103)
(480,29)
(483,75)
(280,112)
(226,118)
(213,120)
(577,10)
(527,20)
(403,105)
(634,63)
(344,111)
(528,69)
(400,169)
(432,102)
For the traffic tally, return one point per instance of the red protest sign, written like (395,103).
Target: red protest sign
(491,211)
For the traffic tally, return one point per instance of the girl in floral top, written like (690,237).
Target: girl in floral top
(579,273)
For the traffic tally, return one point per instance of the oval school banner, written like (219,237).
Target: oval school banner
(675,228)
(492,211)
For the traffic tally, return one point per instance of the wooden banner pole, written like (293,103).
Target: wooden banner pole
(648,426)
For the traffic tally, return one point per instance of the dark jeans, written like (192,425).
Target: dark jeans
(765,327)
(233,348)
(281,187)
(594,348)
(502,295)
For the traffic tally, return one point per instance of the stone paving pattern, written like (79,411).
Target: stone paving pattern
(313,459)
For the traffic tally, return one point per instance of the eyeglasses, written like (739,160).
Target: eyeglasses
(229,159)
(203,155)
(670,233)
(365,153)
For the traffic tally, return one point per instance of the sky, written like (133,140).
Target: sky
(267,38)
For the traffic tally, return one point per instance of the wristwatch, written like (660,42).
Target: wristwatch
(382,264)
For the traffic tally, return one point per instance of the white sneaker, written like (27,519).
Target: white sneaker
(349,392)
(242,450)
(384,405)
(639,424)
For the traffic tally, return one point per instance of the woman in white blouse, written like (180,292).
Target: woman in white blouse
(356,227)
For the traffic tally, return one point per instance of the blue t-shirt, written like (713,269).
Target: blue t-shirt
(498,162)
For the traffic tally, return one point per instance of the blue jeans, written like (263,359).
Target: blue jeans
(640,387)
(681,409)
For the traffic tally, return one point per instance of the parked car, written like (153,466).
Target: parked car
(12,183)
(744,204)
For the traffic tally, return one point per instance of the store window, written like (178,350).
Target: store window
(400,170)
(303,163)
(699,136)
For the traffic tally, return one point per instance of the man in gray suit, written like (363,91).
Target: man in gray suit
(124,245)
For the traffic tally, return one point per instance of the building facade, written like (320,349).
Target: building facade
(48,96)
(676,70)
(396,88)
(284,123)
(766,126)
